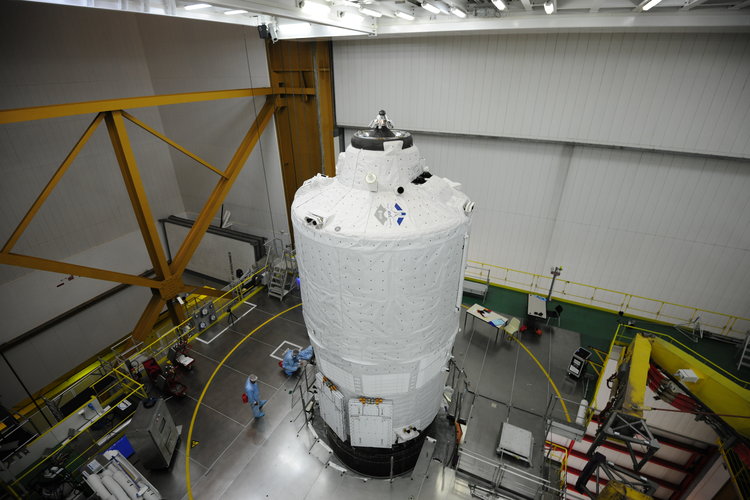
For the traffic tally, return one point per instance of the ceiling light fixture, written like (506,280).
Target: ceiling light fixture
(458,11)
(549,7)
(650,4)
(197,6)
(404,15)
(430,7)
(315,9)
(235,12)
(499,4)
(370,12)
(352,17)
(292,29)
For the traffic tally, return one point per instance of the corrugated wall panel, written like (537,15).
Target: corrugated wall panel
(679,92)
(671,227)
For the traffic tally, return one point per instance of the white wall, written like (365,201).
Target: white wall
(666,225)
(216,56)
(57,54)
(679,92)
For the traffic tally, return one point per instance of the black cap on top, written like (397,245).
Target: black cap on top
(381,131)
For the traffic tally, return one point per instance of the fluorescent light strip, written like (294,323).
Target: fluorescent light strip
(458,12)
(499,4)
(197,6)
(370,12)
(235,12)
(404,15)
(430,7)
(650,4)
(295,28)
(316,9)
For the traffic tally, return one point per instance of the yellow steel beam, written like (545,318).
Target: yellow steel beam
(82,108)
(193,238)
(204,290)
(172,143)
(136,192)
(637,355)
(52,183)
(54,266)
(713,389)
(294,90)
(148,318)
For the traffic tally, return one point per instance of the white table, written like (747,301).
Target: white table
(537,306)
(497,321)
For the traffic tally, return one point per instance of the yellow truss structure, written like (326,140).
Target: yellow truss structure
(167,283)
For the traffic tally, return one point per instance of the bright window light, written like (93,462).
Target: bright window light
(370,12)
(235,12)
(197,6)
(404,15)
(458,12)
(549,7)
(650,4)
(430,7)
(499,4)
(316,9)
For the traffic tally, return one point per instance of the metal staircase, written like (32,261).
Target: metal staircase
(282,268)
(744,353)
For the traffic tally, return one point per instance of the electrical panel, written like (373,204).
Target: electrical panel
(371,422)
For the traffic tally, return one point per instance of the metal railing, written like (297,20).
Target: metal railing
(503,476)
(558,453)
(112,383)
(727,325)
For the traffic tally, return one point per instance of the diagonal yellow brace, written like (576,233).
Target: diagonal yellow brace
(82,108)
(134,185)
(172,143)
(54,266)
(51,184)
(193,238)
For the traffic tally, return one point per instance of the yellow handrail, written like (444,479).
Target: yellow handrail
(661,310)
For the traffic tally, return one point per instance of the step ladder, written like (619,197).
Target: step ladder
(745,353)
(281,262)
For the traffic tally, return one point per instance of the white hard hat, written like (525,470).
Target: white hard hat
(253,377)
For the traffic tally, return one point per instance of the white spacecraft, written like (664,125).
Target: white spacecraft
(381,249)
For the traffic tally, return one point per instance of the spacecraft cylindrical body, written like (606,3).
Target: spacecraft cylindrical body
(381,262)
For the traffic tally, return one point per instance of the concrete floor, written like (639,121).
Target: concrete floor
(239,457)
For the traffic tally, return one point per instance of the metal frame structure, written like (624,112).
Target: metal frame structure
(613,472)
(631,431)
(167,283)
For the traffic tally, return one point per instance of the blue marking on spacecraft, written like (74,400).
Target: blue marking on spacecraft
(401,213)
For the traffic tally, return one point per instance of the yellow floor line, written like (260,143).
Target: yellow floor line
(189,439)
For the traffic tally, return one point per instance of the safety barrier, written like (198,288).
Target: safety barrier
(501,475)
(112,383)
(723,325)
(558,453)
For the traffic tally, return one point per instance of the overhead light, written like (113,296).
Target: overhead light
(549,7)
(499,4)
(370,12)
(292,29)
(352,17)
(430,7)
(314,8)
(650,4)
(404,15)
(235,12)
(458,11)
(197,6)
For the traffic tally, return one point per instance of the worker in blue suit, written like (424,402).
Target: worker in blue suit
(294,358)
(253,396)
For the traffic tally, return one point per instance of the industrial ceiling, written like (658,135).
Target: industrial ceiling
(300,19)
